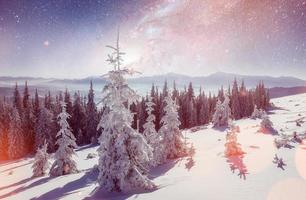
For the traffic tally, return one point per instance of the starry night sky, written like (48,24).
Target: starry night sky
(67,38)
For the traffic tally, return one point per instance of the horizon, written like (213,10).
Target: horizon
(154,75)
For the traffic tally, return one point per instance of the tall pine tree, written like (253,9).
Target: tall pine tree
(171,137)
(78,120)
(28,120)
(235,104)
(64,163)
(41,163)
(123,153)
(150,133)
(16,142)
(91,117)
(45,130)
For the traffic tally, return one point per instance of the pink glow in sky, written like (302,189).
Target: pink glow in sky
(194,37)
(202,37)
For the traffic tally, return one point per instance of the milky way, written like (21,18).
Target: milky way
(196,37)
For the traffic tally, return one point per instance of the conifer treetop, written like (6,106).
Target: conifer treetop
(116,77)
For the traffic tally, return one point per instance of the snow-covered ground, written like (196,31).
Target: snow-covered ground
(208,175)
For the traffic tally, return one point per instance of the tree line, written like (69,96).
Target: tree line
(196,110)
(26,122)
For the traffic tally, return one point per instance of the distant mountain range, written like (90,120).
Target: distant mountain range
(220,78)
(276,92)
(280,85)
(211,81)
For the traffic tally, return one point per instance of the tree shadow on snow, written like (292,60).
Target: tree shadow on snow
(190,163)
(272,109)
(220,128)
(164,168)
(81,148)
(15,167)
(101,194)
(9,162)
(16,184)
(72,187)
(268,131)
(21,189)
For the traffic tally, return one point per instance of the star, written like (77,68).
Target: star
(17,19)
(46,43)
(167,34)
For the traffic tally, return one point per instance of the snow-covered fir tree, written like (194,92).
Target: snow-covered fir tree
(266,122)
(123,152)
(16,142)
(41,163)
(267,125)
(261,96)
(69,104)
(243,100)
(64,164)
(255,113)
(172,138)
(44,129)
(91,121)
(149,127)
(5,111)
(17,101)
(141,115)
(232,147)
(222,113)
(78,119)
(150,133)
(217,117)
(36,106)
(258,113)
(203,109)
(28,120)
(226,111)
(235,104)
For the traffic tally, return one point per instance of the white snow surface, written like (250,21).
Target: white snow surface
(208,177)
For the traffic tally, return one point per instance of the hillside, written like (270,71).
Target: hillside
(276,92)
(208,175)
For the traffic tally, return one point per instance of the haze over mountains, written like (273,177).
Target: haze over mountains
(221,78)
(213,80)
(143,83)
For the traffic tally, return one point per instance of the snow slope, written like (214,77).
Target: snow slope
(207,176)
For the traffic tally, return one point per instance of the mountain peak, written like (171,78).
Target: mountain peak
(219,73)
(173,74)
